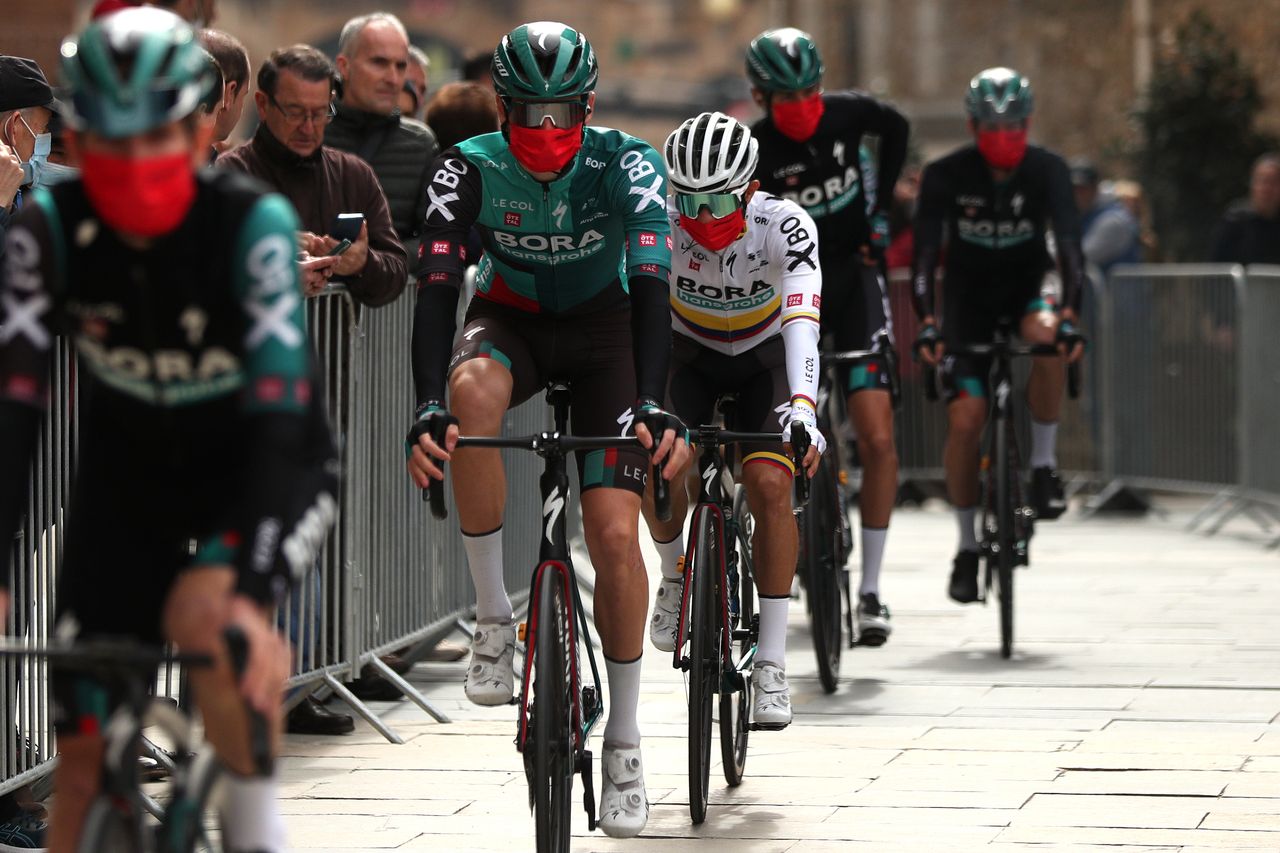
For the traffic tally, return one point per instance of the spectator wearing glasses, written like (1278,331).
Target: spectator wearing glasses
(296,87)
(373,59)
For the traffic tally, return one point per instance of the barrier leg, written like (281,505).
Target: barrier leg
(409,690)
(1219,500)
(362,709)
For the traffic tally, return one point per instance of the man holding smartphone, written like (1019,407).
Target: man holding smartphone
(331,190)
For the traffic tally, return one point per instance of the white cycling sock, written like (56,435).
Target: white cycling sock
(251,818)
(872,556)
(772,646)
(484,557)
(669,554)
(965,518)
(624,700)
(1044,444)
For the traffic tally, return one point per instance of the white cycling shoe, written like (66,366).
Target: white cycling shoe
(490,679)
(624,807)
(666,615)
(771,707)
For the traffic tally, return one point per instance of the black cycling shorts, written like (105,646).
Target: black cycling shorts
(856,316)
(973,308)
(699,376)
(131,526)
(591,353)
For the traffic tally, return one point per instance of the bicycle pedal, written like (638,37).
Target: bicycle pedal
(522,631)
(585,767)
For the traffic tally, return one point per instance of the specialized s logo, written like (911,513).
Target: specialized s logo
(638,169)
(447,177)
(551,509)
(24,300)
(560,210)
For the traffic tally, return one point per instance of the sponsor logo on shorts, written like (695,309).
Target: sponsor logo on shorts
(438,276)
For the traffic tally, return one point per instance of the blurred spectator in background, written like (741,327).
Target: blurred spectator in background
(233,60)
(26,106)
(417,79)
(1130,194)
(1249,233)
(197,13)
(477,68)
(461,111)
(1111,233)
(902,213)
(294,102)
(373,59)
(408,100)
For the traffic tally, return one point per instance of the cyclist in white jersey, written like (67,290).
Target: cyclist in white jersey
(745,303)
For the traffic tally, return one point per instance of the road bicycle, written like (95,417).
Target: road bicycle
(718,626)
(122,818)
(826,535)
(1008,520)
(557,710)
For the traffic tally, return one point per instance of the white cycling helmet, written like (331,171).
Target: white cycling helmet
(710,153)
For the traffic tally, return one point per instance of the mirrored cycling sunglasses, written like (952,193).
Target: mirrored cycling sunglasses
(563,114)
(720,204)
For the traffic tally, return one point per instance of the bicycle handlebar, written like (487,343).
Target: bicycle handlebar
(799,448)
(929,375)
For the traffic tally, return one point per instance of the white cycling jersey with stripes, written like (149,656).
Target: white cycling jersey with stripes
(765,283)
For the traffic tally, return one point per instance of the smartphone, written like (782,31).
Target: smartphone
(339,249)
(346,226)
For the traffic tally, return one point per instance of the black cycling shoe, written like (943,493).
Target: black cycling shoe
(1047,495)
(964,578)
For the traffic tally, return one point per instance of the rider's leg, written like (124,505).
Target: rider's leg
(195,616)
(965,418)
(872,413)
(668,536)
(774,548)
(479,395)
(1044,389)
(610,524)
(76,779)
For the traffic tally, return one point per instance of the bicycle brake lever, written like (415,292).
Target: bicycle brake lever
(800,449)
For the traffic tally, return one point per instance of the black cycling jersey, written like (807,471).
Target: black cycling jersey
(196,380)
(824,174)
(996,230)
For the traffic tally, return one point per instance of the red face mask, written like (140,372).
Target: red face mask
(798,120)
(544,149)
(147,197)
(718,233)
(1003,149)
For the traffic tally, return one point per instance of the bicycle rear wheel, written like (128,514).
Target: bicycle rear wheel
(735,707)
(552,717)
(704,670)
(1006,536)
(821,545)
(111,828)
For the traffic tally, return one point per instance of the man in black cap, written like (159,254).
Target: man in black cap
(26,105)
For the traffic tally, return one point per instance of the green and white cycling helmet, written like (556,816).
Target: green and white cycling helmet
(544,61)
(710,153)
(999,95)
(135,70)
(784,60)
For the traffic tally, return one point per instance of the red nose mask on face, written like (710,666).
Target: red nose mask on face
(147,197)
(718,233)
(544,149)
(1003,149)
(798,120)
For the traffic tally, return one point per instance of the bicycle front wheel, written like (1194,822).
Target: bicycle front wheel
(552,717)
(704,670)
(1006,536)
(735,707)
(182,830)
(821,545)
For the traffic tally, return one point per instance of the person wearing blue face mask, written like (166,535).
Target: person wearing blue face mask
(25,109)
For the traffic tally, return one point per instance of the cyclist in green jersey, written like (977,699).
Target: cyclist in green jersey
(572,286)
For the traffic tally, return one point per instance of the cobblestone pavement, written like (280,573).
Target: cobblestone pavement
(1140,713)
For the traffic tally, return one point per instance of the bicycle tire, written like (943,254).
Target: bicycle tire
(552,718)
(109,829)
(1006,535)
(704,656)
(183,824)
(735,707)
(821,545)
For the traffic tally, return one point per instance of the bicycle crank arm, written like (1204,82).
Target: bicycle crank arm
(731,681)
(588,788)
(749,658)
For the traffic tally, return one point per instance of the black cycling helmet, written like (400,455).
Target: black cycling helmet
(544,61)
(999,94)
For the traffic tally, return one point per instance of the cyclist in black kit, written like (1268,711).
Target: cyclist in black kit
(993,200)
(812,146)
(199,416)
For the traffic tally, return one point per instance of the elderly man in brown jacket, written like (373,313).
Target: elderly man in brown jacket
(295,102)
